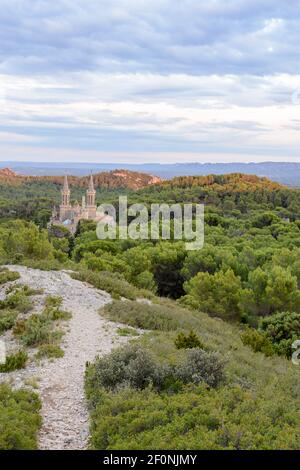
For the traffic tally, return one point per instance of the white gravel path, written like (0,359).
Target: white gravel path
(61,382)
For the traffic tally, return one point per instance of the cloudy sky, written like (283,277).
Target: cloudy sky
(149,80)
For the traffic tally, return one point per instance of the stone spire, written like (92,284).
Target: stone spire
(91,199)
(91,183)
(65,193)
(66,184)
(91,193)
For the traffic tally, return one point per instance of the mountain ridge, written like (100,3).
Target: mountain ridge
(110,180)
(283,172)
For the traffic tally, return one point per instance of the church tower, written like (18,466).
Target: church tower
(91,199)
(65,200)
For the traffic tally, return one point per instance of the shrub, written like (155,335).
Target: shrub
(53,301)
(189,341)
(19,419)
(140,315)
(8,276)
(112,283)
(257,341)
(195,418)
(50,351)
(57,314)
(135,367)
(282,329)
(130,365)
(35,330)
(14,362)
(7,319)
(26,290)
(127,332)
(201,366)
(216,294)
(17,300)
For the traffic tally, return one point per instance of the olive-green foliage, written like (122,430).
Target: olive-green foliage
(282,329)
(19,419)
(267,385)
(14,362)
(127,332)
(57,314)
(16,302)
(141,315)
(189,341)
(50,351)
(201,366)
(53,301)
(217,293)
(18,299)
(26,290)
(7,319)
(112,283)
(130,365)
(136,367)
(20,240)
(258,341)
(36,330)
(8,276)
(194,418)
(52,310)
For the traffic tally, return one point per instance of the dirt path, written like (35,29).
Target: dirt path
(61,382)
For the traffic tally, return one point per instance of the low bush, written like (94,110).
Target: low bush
(7,319)
(8,276)
(18,300)
(257,341)
(50,351)
(52,301)
(55,314)
(282,329)
(194,418)
(26,290)
(141,315)
(34,331)
(189,341)
(135,366)
(129,365)
(112,283)
(14,362)
(201,366)
(19,419)
(127,332)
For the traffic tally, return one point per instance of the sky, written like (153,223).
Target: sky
(149,80)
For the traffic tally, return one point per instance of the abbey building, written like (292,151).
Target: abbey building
(69,215)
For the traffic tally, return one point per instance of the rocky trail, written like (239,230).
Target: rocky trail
(61,381)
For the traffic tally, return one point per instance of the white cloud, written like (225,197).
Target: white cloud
(162,75)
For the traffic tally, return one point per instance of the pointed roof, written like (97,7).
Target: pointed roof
(91,183)
(66,184)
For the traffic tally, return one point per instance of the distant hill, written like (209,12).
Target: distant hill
(7,173)
(233,182)
(109,180)
(284,172)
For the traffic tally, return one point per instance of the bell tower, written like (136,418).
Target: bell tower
(65,199)
(91,199)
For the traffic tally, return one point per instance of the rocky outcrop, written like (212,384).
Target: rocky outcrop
(7,173)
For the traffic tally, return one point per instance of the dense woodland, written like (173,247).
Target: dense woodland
(215,372)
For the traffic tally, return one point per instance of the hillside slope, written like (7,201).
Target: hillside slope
(230,182)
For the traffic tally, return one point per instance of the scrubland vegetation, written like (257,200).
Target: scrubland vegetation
(213,368)
(19,419)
